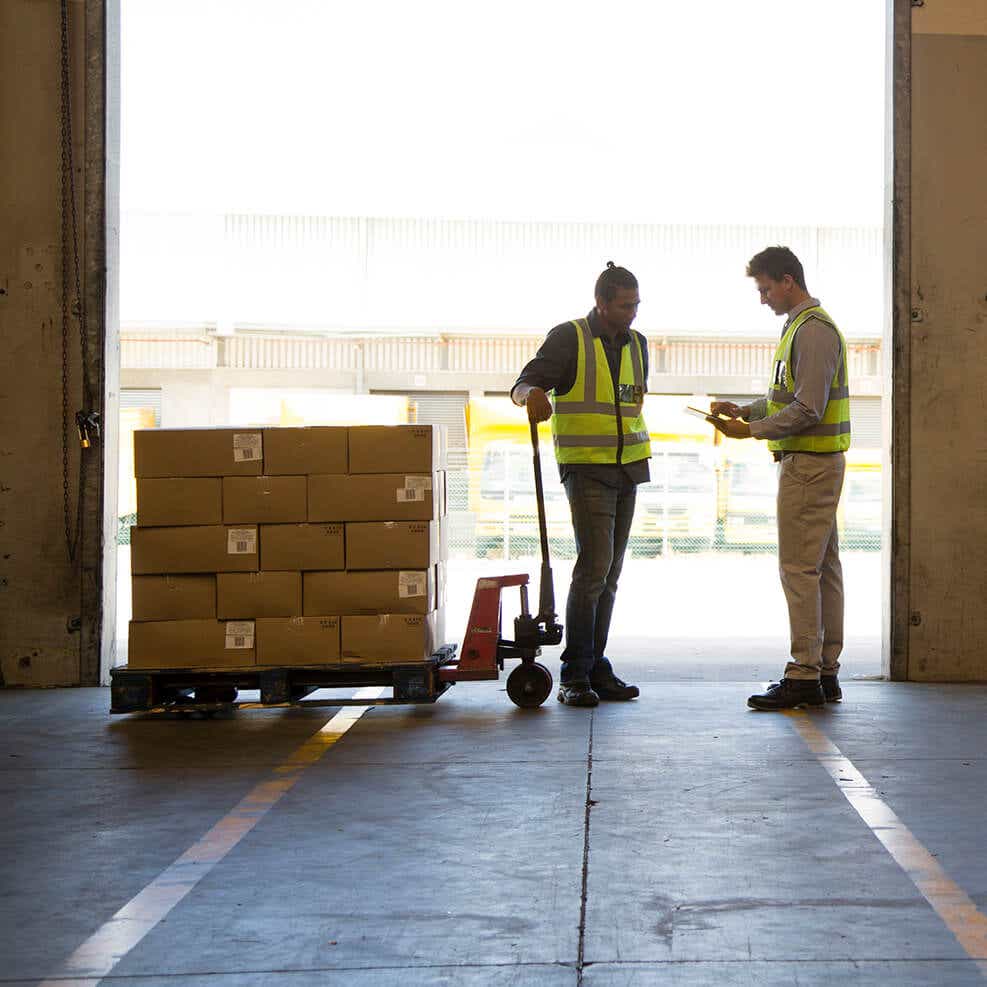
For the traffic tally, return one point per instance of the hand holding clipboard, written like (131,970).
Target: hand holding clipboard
(706,415)
(732,427)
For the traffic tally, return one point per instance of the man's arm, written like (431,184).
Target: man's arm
(815,357)
(551,369)
(755,411)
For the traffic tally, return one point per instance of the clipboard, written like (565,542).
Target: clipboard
(705,415)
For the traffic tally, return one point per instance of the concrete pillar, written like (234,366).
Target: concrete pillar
(50,605)
(941,517)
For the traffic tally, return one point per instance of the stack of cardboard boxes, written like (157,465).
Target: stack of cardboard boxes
(288,546)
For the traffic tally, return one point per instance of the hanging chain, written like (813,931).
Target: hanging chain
(87,420)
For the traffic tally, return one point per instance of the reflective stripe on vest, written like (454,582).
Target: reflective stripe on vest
(832,432)
(589,424)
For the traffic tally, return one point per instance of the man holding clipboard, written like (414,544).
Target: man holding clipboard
(805,420)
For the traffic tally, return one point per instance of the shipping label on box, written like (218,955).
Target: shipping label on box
(298,641)
(302,546)
(264,498)
(373,497)
(397,448)
(388,639)
(174,597)
(172,501)
(239,635)
(392,544)
(247,447)
(412,584)
(302,451)
(201,548)
(184,452)
(201,644)
(258,594)
(388,591)
(241,541)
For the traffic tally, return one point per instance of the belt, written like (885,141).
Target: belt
(780,454)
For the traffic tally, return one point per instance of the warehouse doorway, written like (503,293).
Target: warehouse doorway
(443,292)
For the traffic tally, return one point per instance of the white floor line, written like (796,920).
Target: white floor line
(951,903)
(113,940)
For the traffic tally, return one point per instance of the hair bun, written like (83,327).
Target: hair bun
(610,265)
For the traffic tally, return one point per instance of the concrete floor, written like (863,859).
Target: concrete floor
(452,844)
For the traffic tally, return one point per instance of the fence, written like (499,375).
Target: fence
(696,502)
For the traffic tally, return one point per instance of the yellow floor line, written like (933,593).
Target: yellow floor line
(950,902)
(104,949)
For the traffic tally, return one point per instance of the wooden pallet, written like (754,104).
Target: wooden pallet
(195,689)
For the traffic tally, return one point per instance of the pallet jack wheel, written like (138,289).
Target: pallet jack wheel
(529,685)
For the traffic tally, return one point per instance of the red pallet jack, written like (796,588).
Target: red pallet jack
(484,651)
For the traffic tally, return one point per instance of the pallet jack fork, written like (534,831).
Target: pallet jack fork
(484,650)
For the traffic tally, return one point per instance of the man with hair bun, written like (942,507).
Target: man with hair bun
(589,377)
(805,419)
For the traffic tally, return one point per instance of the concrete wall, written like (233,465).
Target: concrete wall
(39,586)
(53,601)
(947,626)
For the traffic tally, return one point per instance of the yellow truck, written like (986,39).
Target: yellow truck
(747,488)
(676,510)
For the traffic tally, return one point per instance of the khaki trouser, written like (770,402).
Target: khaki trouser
(809,487)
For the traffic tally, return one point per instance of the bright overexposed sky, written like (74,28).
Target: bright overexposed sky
(650,111)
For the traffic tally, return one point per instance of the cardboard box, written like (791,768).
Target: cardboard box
(302,546)
(174,597)
(240,595)
(202,548)
(298,451)
(390,639)
(393,544)
(264,498)
(388,591)
(397,448)
(163,501)
(298,641)
(191,644)
(374,497)
(198,452)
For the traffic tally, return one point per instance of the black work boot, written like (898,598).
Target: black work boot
(831,688)
(578,693)
(789,694)
(615,689)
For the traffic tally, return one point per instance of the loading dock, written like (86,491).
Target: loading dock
(679,839)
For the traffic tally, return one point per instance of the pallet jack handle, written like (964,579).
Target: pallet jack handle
(546,586)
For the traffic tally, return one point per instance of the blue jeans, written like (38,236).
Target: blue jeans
(601,520)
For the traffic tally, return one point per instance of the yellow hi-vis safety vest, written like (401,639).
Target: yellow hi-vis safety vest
(591,423)
(832,433)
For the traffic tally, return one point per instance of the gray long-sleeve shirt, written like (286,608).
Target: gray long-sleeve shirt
(816,353)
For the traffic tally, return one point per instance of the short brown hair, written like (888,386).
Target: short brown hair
(776,262)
